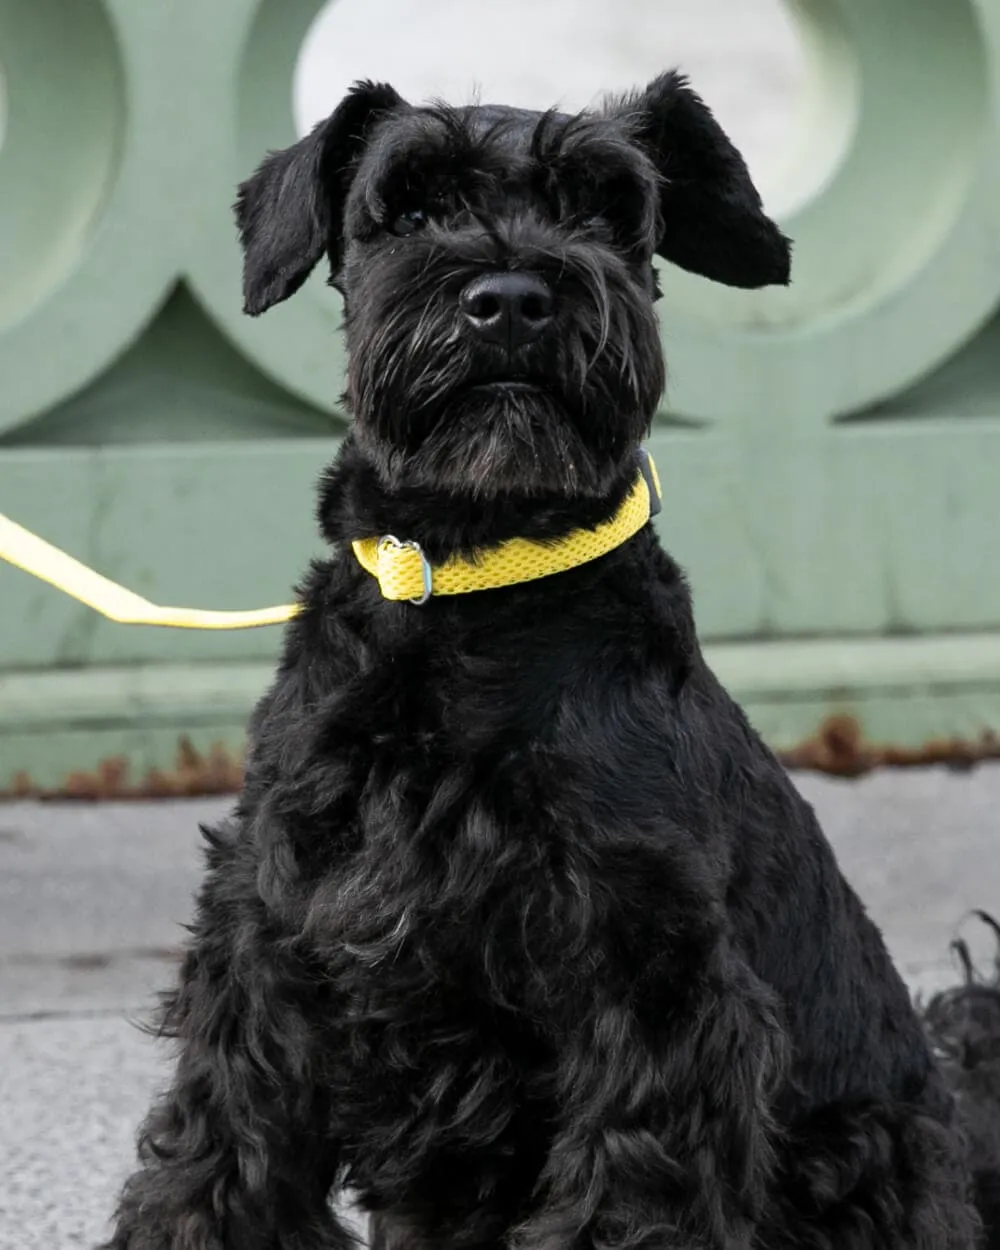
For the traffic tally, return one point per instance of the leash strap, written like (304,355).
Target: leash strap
(34,555)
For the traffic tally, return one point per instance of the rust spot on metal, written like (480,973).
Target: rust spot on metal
(194,775)
(839,748)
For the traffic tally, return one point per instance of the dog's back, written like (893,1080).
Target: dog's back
(963,1024)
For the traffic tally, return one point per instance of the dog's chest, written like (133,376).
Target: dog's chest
(480,913)
(498,857)
(505,814)
(447,976)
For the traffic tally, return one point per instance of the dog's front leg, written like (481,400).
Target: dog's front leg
(665,1137)
(236,1155)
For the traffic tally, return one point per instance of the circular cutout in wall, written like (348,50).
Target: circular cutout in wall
(744,56)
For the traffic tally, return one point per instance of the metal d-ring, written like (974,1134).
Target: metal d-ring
(390,540)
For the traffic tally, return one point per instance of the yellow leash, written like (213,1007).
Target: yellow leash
(27,551)
(401,568)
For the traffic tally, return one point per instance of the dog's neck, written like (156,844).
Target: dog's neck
(355,503)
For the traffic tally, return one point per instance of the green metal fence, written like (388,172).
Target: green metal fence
(830,455)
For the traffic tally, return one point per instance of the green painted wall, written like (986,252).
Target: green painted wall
(830,457)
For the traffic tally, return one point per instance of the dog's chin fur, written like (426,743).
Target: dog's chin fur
(495,441)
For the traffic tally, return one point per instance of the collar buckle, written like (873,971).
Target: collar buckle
(648,470)
(391,542)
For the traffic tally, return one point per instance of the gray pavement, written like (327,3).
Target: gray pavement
(92,897)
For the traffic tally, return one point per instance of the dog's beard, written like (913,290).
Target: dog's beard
(491,441)
(436,409)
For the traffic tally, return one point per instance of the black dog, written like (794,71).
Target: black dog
(519,932)
(963,1024)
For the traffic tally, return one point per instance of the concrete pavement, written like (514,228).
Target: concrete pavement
(91,899)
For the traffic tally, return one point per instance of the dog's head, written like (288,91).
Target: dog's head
(496,268)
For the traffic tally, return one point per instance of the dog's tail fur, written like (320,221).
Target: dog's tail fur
(963,1024)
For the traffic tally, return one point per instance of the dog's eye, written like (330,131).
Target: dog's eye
(597,224)
(409,222)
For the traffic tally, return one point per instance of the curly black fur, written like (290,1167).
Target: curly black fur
(518,931)
(963,1024)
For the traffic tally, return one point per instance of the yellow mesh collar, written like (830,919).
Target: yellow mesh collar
(401,569)
(403,572)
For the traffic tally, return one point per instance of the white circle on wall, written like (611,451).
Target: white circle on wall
(744,56)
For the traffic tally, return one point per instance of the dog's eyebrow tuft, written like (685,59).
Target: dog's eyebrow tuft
(435,142)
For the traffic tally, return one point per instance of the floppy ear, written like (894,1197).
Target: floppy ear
(712,219)
(291,211)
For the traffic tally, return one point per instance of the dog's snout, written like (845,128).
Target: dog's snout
(508,308)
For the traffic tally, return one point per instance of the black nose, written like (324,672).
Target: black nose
(508,308)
